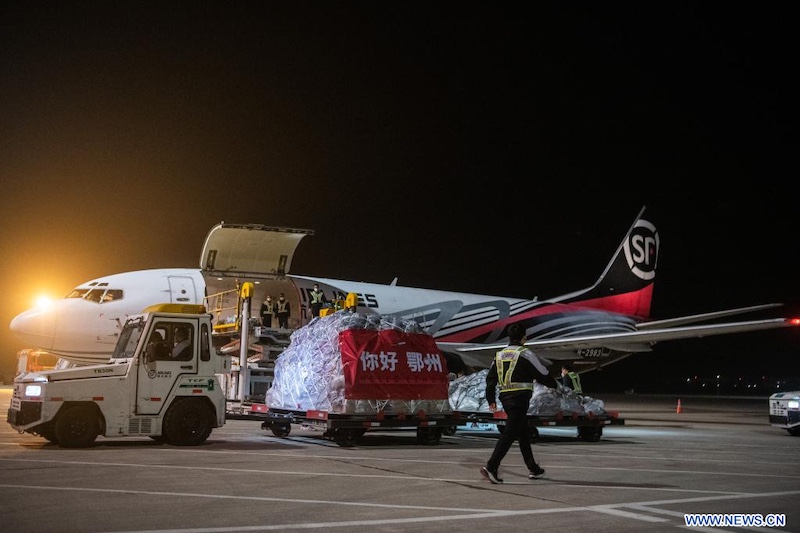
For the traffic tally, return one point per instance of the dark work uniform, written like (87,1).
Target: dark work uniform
(515,375)
(317,299)
(282,310)
(267,310)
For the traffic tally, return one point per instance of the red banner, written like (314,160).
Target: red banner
(392,365)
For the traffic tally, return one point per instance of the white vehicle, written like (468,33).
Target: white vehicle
(784,411)
(156,384)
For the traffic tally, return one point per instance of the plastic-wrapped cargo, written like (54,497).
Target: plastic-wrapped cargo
(350,363)
(468,394)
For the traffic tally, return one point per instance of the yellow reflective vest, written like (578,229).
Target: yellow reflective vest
(576,381)
(506,361)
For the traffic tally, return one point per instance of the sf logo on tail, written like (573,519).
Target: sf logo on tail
(641,250)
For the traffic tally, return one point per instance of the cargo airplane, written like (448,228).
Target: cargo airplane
(590,328)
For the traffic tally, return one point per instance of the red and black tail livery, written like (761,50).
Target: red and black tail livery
(626,285)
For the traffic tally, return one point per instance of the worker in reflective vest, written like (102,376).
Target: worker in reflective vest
(570,380)
(282,310)
(513,371)
(266,312)
(317,299)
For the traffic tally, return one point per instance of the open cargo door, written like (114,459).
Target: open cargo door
(237,253)
(249,251)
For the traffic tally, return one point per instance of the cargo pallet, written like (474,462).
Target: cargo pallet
(346,429)
(590,426)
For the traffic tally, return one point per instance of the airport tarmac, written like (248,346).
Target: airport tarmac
(719,455)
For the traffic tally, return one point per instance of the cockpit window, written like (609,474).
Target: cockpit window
(77,293)
(111,295)
(95,295)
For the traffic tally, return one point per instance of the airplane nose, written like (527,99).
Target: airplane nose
(36,327)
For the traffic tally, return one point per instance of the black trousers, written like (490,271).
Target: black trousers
(515,404)
(283,320)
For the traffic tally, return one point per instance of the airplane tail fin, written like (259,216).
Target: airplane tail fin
(626,284)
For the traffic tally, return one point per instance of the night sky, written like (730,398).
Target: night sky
(480,147)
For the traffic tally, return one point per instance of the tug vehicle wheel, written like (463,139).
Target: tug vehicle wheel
(48,431)
(77,427)
(188,422)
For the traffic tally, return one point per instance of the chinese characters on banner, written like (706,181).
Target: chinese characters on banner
(391,364)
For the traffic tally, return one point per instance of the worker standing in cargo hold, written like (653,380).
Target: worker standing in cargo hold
(514,369)
(317,299)
(570,380)
(282,310)
(266,312)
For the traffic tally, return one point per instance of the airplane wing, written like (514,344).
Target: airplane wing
(670,322)
(481,355)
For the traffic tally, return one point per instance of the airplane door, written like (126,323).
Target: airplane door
(182,290)
(171,352)
(241,251)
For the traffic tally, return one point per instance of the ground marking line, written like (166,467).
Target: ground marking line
(321,525)
(469,514)
(596,508)
(720,497)
(656,510)
(540,482)
(251,498)
(628,514)
(228,469)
